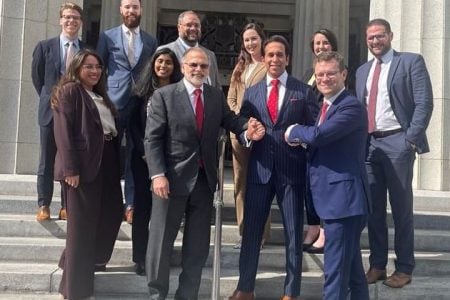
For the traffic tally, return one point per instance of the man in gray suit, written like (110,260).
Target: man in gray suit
(189,34)
(397,90)
(183,126)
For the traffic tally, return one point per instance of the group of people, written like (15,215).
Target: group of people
(310,143)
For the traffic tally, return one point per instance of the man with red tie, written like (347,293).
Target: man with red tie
(183,126)
(275,168)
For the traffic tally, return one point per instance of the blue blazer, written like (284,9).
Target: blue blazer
(45,73)
(337,172)
(121,75)
(272,154)
(410,94)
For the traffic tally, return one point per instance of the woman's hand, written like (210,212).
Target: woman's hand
(73,181)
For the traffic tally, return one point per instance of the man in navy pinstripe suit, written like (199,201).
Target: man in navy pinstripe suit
(275,168)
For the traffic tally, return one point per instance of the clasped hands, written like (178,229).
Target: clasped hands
(255,130)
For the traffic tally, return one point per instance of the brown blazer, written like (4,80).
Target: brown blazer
(78,134)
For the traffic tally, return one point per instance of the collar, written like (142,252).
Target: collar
(136,30)
(186,46)
(64,40)
(283,79)
(333,98)
(190,88)
(387,57)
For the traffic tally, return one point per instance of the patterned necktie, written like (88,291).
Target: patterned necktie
(272,103)
(131,47)
(199,110)
(323,113)
(372,105)
(70,52)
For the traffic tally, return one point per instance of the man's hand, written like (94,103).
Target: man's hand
(160,186)
(73,181)
(255,130)
(286,136)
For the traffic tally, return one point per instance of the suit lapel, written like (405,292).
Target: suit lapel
(89,102)
(56,49)
(185,102)
(394,65)
(261,99)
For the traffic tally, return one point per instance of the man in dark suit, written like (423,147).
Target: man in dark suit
(48,64)
(396,88)
(189,34)
(183,126)
(275,168)
(338,177)
(125,49)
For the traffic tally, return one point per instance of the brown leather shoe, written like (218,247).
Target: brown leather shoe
(239,295)
(43,213)
(129,215)
(374,274)
(398,280)
(62,214)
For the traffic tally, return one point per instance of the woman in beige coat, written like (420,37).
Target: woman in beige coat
(248,71)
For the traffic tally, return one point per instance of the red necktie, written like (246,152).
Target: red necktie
(372,105)
(323,113)
(272,103)
(199,110)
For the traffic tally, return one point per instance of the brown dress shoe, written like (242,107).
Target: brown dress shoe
(398,280)
(374,274)
(129,215)
(62,214)
(239,295)
(43,213)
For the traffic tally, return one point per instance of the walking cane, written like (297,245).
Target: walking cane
(218,203)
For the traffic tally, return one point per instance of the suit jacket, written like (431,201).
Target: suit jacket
(172,145)
(410,94)
(45,73)
(121,75)
(78,135)
(177,47)
(337,172)
(272,153)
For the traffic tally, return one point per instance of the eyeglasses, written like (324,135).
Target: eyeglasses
(93,67)
(189,25)
(327,75)
(71,17)
(195,65)
(380,37)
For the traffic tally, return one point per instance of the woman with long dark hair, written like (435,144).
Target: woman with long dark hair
(87,165)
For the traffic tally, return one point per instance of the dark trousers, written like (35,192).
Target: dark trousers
(343,268)
(47,155)
(142,207)
(165,223)
(94,215)
(258,201)
(390,165)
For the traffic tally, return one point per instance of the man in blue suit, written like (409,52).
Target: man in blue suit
(275,168)
(48,64)
(396,88)
(337,177)
(125,49)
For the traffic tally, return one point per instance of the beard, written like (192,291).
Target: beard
(131,22)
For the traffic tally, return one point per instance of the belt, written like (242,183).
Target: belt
(108,137)
(381,134)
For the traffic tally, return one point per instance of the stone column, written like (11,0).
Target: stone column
(311,15)
(420,26)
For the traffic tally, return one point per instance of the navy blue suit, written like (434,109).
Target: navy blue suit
(275,168)
(339,190)
(390,159)
(45,73)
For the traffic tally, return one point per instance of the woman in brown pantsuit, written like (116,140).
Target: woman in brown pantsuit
(249,70)
(87,164)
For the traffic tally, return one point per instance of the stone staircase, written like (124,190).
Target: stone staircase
(29,252)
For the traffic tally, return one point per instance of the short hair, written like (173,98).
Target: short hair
(69,5)
(330,37)
(187,12)
(278,39)
(194,49)
(381,22)
(328,56)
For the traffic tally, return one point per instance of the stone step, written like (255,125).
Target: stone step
(40,281)
(45,250)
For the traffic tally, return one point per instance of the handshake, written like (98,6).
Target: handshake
(255,130)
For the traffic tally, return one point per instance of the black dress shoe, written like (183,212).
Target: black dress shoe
(315,250)
(139,268)
(100,268)
(306,246)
